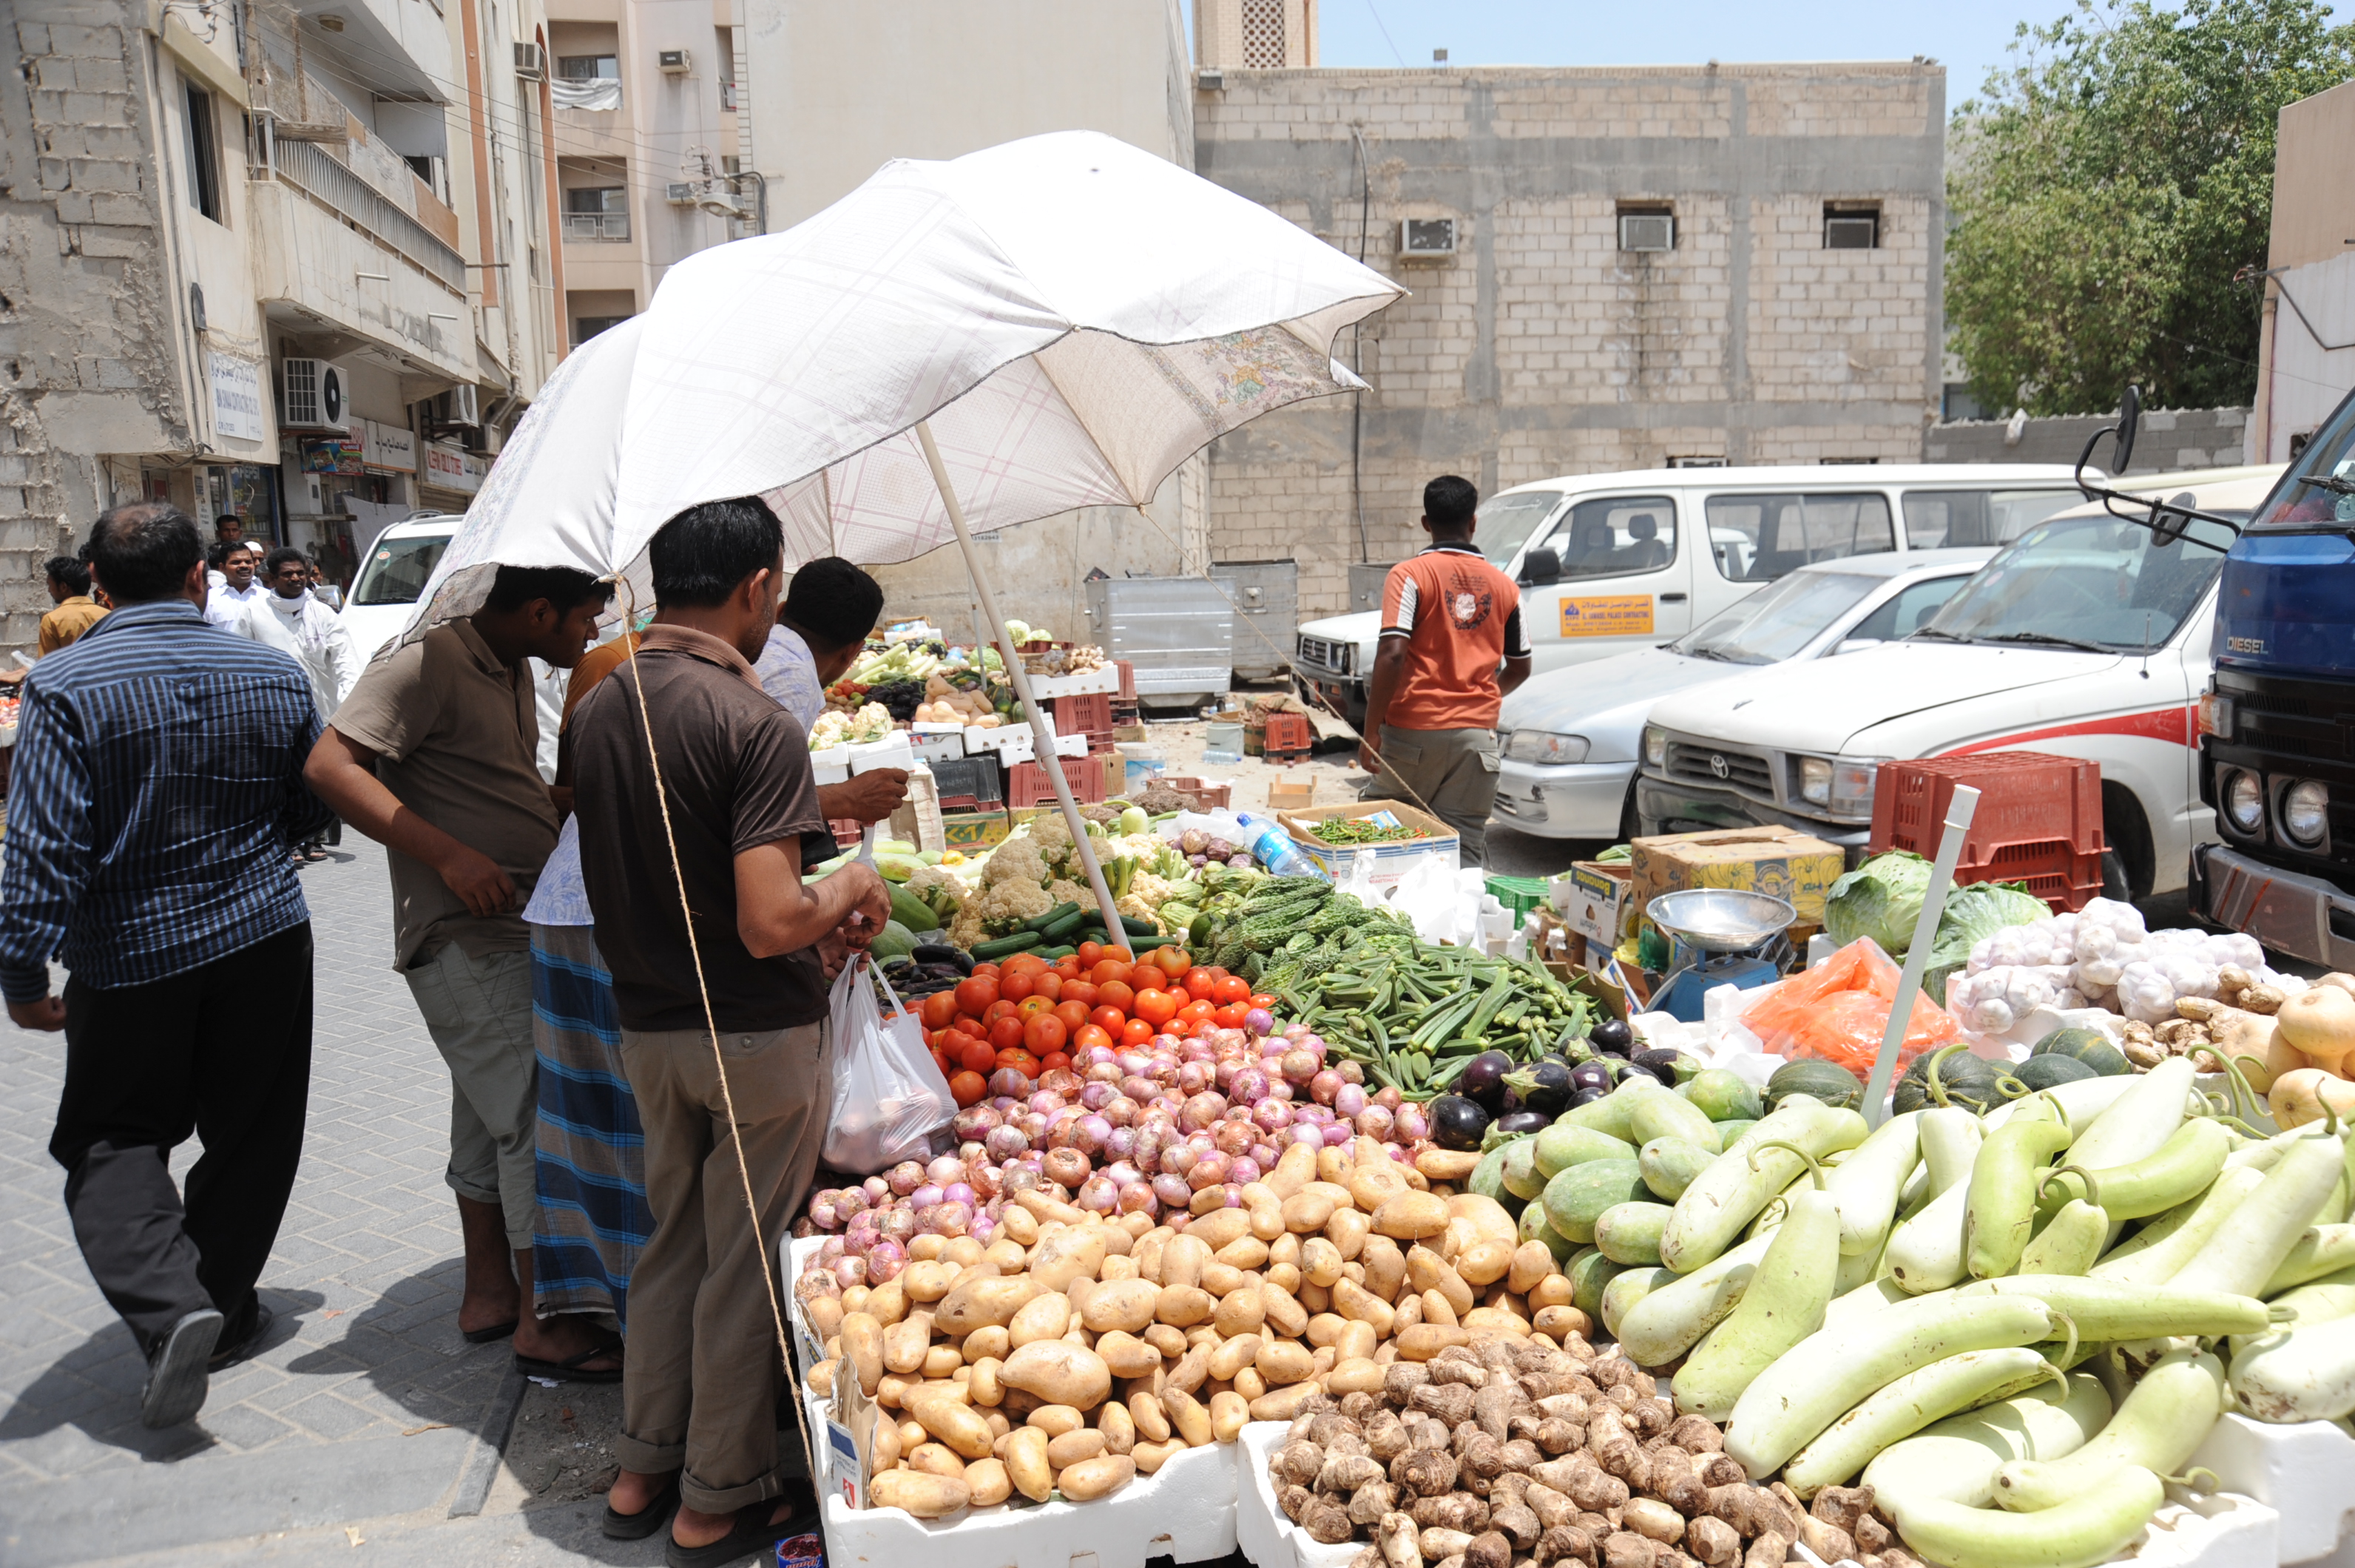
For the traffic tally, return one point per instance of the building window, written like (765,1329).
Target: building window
(1263,33)
(1851,228)
(597,212)
(589,68)
(585,327)
(202,145)
(1648,227)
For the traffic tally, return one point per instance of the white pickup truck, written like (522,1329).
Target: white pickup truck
(2081,638)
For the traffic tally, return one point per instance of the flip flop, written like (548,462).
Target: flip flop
(646,1521)
(492,1335)
(751,1533)
(569,1369)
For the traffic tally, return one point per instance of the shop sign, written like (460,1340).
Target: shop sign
(237,398)
(330,454)
(452,469)
(389,446)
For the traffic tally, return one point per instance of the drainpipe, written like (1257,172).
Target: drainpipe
(560,314)
(477,130)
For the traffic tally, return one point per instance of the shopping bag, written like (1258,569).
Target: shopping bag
(889,1094)
(1838,1011)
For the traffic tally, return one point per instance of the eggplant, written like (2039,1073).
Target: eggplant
(1458,1123)
(1675,1063)
(1515,1122)
(941,953)
(1590,1075)
(1660,1075)
(1586,1097)
(1612,1034)
(1544,1086)
(1482,1081)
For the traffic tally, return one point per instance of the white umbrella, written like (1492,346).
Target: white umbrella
(1051,323)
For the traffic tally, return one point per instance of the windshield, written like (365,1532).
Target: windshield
(1776,623)
(2319,487)
(2095,583)
(1506,523)
(397,570)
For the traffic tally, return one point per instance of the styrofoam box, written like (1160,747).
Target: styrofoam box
(937,743)
(892,752)
(1185,1511)
(1086,684)
(1012,743)
(1070,745)
(1261,1532)
(2306,1472)
(832,765)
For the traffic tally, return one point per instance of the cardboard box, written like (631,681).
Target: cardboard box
(1596,899)
(1284,794)
(975,829)
(1781,861)
(1392,861)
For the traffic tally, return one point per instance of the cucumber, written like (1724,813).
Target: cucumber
(1577,1197)
(1005,946)
(1062,925)
(1051,955)
(1055,916)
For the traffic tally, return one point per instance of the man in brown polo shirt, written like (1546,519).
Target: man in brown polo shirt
(700,1386)
(434,755)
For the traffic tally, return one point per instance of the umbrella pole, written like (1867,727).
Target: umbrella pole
(1014,672)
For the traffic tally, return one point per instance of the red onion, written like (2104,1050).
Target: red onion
(1136,1063)
(821,1211)
(983,1229)
(1172,1189)
(1374,1120)
(1410,1123)
(1352,1072)
(1145,1148)
(1195,1077)
(1245,1171)
(1275,1045)
(1098,1193)
(1178,1158)
(950,1219)
(988,1181)
(1305,1132)
(1336,1133)
(1280,1090)
(1011,1082)
(1097,1093)
(1300,1064)
(1259,1020)
(1022,1178)
(923,1196)
(1067,1166)
(1100,1072)
(1233,1138)
(1248,1086)
(945,1170)
(1061,1081)
(1208,1172)
(849,1270)
(1196,1048)
(958,1193)
(905,1177)
(898,1224)
(829,1250)
(1121,1111)
(1201,1110)
(1103,1056)
(1324,1086)
(1032,1126)
(1400,1152)
(884,1261)
(1046,1102)
(1265,1155)
(1387,1098)
(974,1153)
(1349,1100)
(875,1188)
(1092,1132)
(1273,1116)
(1120,1146)
(1007,1104)
(1005,1143)
(1138,1197)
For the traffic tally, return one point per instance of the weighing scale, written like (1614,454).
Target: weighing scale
(1716,936)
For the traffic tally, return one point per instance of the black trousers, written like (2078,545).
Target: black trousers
(223,1052)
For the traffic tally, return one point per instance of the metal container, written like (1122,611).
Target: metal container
(1267,595)
(1176,631)
(1366,580)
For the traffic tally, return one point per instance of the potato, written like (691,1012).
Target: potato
(1216,1229)
(821,1379)
(1532,1262)
(989,1481)
(1446,1165)
(825,1315)
(1150,1456)
(927,1282)
(1005,1255)
(1100,1477)
(1409,1216)
(1244,1253)
(1326,1328)
(926,1248)
(1562,1322)
(905,1342)
(863,1346)
(1067,1255)
(1218,1276)
(1374,1182)
(1026,1461)
(1552,1291)
(1284,1312)
(1495,1318)
(1229,1410)
(1333,1164)
(1169,1341)
(981,1303)
(992,1342)
(1241,1311)
(1183,1305)
(1233,1356)
(1059,1372)
(1187,1417)
(926,1497)
(1117,1265)
(887,1448)
(1249,1383)
(954,1425)
(1019,1225)
(1354,1301)
(943,1361)
(1043,1317)
(1284,1403)
(1182,1259)
(1359,1376)
(1127,1355)
(935,1460)
(1283,1362)
(1054,1420)
(1485,1262)
(1424,1340)
(1295,1168)
(961,1253)
(1119,1427)
(984,1385)
(1151,1422)
(1382,1266)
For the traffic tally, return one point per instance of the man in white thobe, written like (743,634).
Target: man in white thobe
(288,619)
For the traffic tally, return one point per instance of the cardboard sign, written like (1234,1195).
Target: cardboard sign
(1621,616)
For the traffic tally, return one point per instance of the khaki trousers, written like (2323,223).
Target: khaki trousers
(1452,771)
(478,1011)
(700,1382)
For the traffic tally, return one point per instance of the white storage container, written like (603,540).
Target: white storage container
(832,765)
(894,751)
(1011,743)
(937,743)
(2304,1472)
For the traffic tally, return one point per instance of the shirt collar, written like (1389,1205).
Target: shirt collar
(1450,548)
(792,643)
(72,598)
(661,638)
(154,613)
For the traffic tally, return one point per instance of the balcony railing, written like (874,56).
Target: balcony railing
(303,165)
(597,226)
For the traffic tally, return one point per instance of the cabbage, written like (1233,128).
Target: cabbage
(1973,914)
(1880,899)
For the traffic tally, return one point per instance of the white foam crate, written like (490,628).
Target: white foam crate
(2306,1472)
(891,751)
(832,765)
(1261,1532)
(1012,743)
(937,743)
(1086,684)
(1185,1511)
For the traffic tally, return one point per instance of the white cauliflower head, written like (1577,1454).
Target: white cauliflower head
(927,878)
(1062,891)
(1051,836)
(1016,860)
(1009,904)
(1147,889)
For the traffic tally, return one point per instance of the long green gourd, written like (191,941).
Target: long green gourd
(1955,1460)
(2168,1244)
(1908,1406)
(1671,1319)
(2159,1426)
(1783,1304)
(2104,1311)
(2070,1243)
(2002,1204)
(2243,1254)
(1950,1140)
(2180,1169)
(1865,1186)
(2089,1529)
(1729,1195)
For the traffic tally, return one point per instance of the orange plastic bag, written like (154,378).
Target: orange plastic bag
(1838,1011)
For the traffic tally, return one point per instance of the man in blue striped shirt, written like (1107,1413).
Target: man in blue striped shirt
(156,796)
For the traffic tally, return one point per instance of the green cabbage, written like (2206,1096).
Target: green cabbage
(1880,899)
(1973,914)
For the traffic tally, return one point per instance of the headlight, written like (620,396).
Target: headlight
(2305,810)
(1656,748)
(1852,784)
(2244,802)
(1815,780)
(1543,746)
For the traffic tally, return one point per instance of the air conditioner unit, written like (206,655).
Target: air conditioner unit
(460,406)
(485,440)
(1426,237)
(311,395)
(672,62)
(1648,231)
(679,193)
(530,62)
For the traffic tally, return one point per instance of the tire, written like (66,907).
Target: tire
(2113,877)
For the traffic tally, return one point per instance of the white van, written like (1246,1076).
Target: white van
(1608,562)
(399,565)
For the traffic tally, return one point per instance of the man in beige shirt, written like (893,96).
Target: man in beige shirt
(434,755)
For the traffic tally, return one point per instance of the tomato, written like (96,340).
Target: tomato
(1112,1020)
(1262,1001)
(1135,1032)
(1230,1015)
(1172,962)
(1069,967)
(1014,986)
(1073,1015)
(939,1010)
(984,971)
(1232,989)
(1078,991)
(1044,1033)
(1049,985)
(1120,953)
(1199,982)
(1114,994)
(1182,995)
(1088,1037)
(1001,1009)
(978,1055)
(1155,1008)
(1088,955)
(1053,1059)
(1021,1060)
(1006,1033)
(1194,1012)
(1032,1007)
(968,1087)
(975,996)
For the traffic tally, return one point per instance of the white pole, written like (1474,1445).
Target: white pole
(1959,812)
(1039,729)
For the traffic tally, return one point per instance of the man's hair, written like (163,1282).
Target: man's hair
(144,550)
(834,603)
(564,587)
(280,556)
(700,556)
(1449,502)
(64,570)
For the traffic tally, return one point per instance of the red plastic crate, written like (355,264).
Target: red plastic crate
(1127,695)
(2039,819)
(1090,716)
(1287,734)
(1207,795)
(1027,786)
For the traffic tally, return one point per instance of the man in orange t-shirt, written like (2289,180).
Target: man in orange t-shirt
(1450,623)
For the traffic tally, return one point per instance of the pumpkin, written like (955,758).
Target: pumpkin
(2090,1046)
(2050,1070)
(1960,1077)
(1826,1081)
(2320,1022)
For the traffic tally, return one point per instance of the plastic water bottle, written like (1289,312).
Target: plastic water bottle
(1274,849)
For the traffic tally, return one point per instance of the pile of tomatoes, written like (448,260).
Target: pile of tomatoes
(1033,1015)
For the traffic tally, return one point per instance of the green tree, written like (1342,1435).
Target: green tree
(2107,189)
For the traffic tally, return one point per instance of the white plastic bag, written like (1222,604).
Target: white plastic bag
(889,1094)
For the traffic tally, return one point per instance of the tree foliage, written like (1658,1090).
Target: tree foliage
(2107,189)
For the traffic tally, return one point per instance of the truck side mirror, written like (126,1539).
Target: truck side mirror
(1540,568)
(2129,416)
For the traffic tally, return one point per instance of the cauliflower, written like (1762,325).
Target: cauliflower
(832,729)
(927,878)
(967,929)
(1147,889)
(1009,903)
(1062,891)
(1017,861)
(1138,909)
(1053,837)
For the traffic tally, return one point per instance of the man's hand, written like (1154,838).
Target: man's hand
(47,1015)
(478,881)
(873,908)
(870,797)
(832,953)
(1367,758)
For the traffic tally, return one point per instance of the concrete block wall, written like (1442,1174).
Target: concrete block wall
(1541,348)
(2169,440)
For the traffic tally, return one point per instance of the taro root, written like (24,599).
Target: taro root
(1358,1407)
(1369,1502)
(1872,1537)
(1722,1470)
(1400,1379)
(1696,1434)
(1328,1522)
(1829,1542)
(1483,1455)
(1493,1407)
(1674,1483)
(1655,1519)
(1325,1425)
(1294,1501)
(1770,1550)
(1550,1506)
(1565,1543)
(1842,1506)
(1398,1539)
(1488,1550)
(1345,1442)
(1522,1455)
(1386,1440)
(1438,1545)
(1452,1511)
(1298,1463)
(1748,1510)
(1652,1416)
(1518,1523)
(1425,1472)
(1450,1404)
(1712,1541)
(1625,1548)
(1422,1432)
(1346,1473)
(1555,1435)
(1470,1374)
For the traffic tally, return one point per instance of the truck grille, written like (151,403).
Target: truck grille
(1319,654)
(1741,770)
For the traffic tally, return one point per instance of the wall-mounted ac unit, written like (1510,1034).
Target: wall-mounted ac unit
(1426,239)
(1648,231)
(485,440)
(530,62)
(672,62)
(460,406)
(311,395)
(679,193)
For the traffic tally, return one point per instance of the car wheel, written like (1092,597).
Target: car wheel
(1630,825)
(2115,884)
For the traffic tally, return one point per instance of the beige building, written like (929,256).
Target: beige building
(2306,343)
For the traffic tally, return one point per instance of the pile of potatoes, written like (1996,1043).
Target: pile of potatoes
(1518,1455)
(1078,1349)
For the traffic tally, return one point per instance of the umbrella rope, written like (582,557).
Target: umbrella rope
(711,1028)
